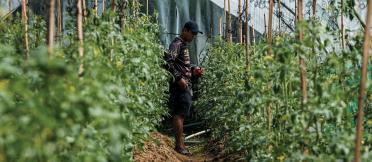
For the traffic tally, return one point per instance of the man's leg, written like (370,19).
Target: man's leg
(178,130)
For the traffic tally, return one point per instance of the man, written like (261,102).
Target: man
(178,63)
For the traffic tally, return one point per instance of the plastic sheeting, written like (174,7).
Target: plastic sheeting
(206,13)
(172,14)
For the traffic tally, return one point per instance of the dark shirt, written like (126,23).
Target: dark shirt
(178,60)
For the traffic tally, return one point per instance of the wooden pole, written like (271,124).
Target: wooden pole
(211,24)
(296,12)
(280,15)
(246,38)
(113,5)
(121,8)
(51,27)
(302,65)
(135,6)
(343,43)
(220,25)
(96,7)
(59,19)
(25,29)
(225,16)
(253,34)
(10,5)
(270,32)
(103,6)
(85,13)
(80,34)
(363,81)
(265,26)
(314,8)
(253,37)
(229,34)
(240,30)
(147,7)
(302,62)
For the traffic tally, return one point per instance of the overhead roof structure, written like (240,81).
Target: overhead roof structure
(172,14)
(258,10)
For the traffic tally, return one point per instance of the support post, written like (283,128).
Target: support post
(363,81)
(25,29)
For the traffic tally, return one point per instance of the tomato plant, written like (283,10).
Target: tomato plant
(49,113)
(259,112)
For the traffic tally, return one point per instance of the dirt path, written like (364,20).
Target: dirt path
(161,150)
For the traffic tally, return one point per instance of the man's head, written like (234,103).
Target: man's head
(190,29)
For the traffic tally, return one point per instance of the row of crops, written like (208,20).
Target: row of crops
(256,109)
(50,112)
(96,95)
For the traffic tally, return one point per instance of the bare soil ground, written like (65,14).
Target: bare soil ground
(161,149)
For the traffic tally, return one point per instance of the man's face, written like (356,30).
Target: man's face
(189,35)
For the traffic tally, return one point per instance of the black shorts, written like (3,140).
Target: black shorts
(180,102)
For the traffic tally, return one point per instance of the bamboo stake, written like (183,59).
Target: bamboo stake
(302,62)
(296,12)
(220,25)
(25,29)
(80,34)
(302,66)
(10,5)
(363,81)
(342,26)
(253,37)
(314,8)
(265,26)
(253,41)
(85,13)
(122,14)
(96,7)
(211,33)
(59,19)
(51,27)
(270,32)
(246,38)
(280,15)
(269,37)
(134,5)
(103,6)
(240,30)
(313,47)
(225,16)
(147,7)
(113,5)
(229,34)
(224,9)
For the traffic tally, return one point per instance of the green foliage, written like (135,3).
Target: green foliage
(237,102)
(49,113)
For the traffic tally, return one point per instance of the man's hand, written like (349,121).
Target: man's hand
(198,71)
(182,83)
